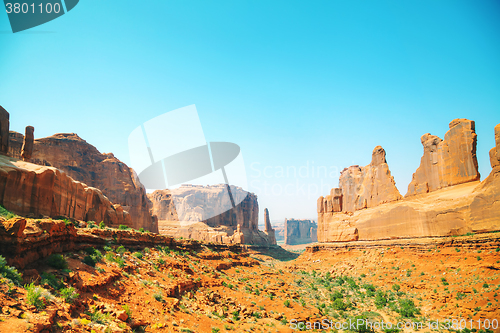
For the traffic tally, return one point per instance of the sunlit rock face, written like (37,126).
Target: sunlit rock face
(188,211)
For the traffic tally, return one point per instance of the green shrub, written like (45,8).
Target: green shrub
(51,280)
(69,294)
(339,305)
(34,296)
(121,249)
(363,328)
(236,315)
(89,260)
(91,224)
(396,287)
(5,213)
(9,272)
(336,295)
(215,330)
(158,296)
(102,225)
(138,255)
(57,261)
(141,229)
(380,300)
(287,303)
(407,308)
(123,227)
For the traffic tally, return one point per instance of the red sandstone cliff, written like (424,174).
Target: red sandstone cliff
(83,162)
(451,200)
(30,189)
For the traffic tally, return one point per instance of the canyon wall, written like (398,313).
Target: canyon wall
(83,162)
(188,211)
(445,197)
(32,190)
(300,232)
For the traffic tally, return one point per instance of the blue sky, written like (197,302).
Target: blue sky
(293,83)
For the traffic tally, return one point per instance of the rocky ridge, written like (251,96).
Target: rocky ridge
(444,198)
(83,162)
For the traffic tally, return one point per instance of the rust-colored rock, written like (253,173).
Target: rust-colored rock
(300,231)
(368,186)
(495,151)
(83,162)
(13,227)
(182,213)
(4,131)
(447,162)
(30,189)
(27,148)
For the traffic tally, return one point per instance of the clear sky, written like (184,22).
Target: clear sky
(295,84)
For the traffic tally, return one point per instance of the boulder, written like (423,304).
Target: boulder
(447,162)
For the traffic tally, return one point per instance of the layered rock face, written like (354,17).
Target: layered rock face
(300,232)
(30,189)
(447,162)
(188,211)
(83,162)
(471,206)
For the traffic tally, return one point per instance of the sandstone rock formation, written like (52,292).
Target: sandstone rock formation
(268,228)
(368,186)
(30,189)
(83,162)
(27,148)
(471,206)
(183,212)
(300,232)
(4,131)
(449,162)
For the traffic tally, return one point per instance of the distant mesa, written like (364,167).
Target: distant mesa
(444,197)
(300,232)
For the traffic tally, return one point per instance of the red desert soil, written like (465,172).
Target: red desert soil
(178,290)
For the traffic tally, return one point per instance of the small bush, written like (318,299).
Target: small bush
(9,272)
(89,260)
(141,229)
(396,287)
(287,303)
(69,294)
(236,315)
(91,224)
(380,300)
(407,308)
(5,213)
(51,280)
(339,305)
(57,261)
(34,296)
(138,255)
(102,225)
(123,227)
(158,296)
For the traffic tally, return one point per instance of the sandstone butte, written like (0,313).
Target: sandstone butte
(444,198)
(182,212)
(84,163)
(300,232)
